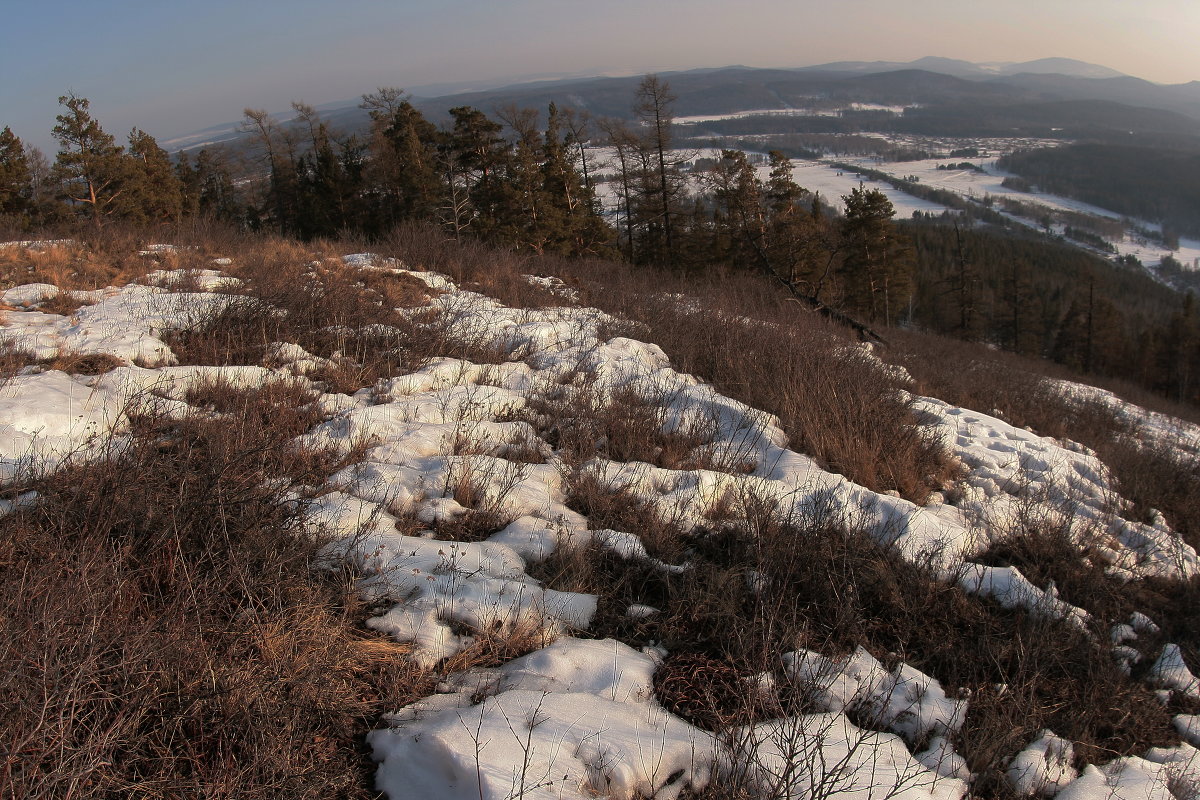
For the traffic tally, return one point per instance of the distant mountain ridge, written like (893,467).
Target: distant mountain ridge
(967,69)
(929,81)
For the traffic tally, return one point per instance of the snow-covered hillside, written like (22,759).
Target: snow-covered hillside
(454,442)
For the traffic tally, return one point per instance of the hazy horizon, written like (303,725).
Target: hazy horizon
(173,70)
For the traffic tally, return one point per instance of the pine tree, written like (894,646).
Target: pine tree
(739,220)
(330,179)
(1176,354)
(662,184)
(476,158)
(1017,295)
(965,283)
(402,168)
(323,193)
(782,192)
(16,188)
(356,213)
(91,167)
(208,189)
(580,227)
(534,221)
(876,266)
(1072,344)
(189,185)
(279,153)
(152,190)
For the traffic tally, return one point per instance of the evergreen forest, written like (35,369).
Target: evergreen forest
(555,182)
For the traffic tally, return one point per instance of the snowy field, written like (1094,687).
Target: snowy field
(829,182)
(579,717)
(975,185)
(833,183)
(833,111)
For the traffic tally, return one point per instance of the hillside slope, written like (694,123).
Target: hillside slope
(607,577)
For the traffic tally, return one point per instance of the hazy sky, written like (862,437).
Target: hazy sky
(171,67)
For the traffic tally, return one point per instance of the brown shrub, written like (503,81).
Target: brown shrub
(171,574)
(1157,477)
(470,264)
(89,258)
(325,307)
(496,645)
(614,508)
(581,422)
(761,586)
(831,398)
(237,333)
(705,691)
(396,289)
(62,303)
(50,264)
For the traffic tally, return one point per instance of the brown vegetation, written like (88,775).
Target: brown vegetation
(1150,475)
(164,633)
(760,587)
(832,398)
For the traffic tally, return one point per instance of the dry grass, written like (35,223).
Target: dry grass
(162,632)
(760,586)
(738,333)
(707,692)
(1151,476)
(348,316)
(62,303)
(83,363)
(91,259)
(496,646)
(396,290)
(470,264)
(61,265)
(581,422)
(13,359)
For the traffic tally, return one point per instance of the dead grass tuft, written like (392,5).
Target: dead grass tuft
(581,422)
(13,359)
(705,691)
(83,363)
(396,289)
(83,257)
(63,303)
(497,645)
(615,508)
